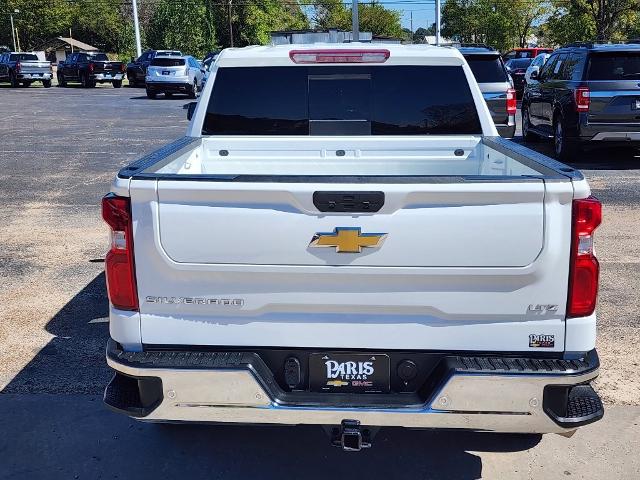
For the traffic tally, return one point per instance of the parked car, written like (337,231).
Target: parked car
(89,69)
(529,52)
(342,239)
(171,75)
(587,95)
(517,67)
(496,86)
(137,68)
(208,62)
(536,65)
(24,68)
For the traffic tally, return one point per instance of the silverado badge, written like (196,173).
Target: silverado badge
(347,240)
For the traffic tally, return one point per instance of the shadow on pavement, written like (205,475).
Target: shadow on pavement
(64,433)
(72,361)
(74,436)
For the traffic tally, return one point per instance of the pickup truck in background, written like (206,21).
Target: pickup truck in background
(24,68)
(89,69)
(343,239)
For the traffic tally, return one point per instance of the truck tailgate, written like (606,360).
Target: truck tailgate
(465,265)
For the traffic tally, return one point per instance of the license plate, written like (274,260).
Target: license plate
(635,105)
(166,72)
(348,373)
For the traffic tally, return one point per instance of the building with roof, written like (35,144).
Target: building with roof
(57,48)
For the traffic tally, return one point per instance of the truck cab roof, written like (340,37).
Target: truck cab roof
(280,55)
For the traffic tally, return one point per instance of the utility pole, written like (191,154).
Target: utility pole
(438,22)
(230,26)
(136,26)
(411,12)
(13,30)
(355,33)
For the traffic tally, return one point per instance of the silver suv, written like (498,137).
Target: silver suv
(495,84)
(171,74)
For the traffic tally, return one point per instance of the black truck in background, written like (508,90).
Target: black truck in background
(89,69)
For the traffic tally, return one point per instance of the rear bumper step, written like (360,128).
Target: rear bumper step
(493,393)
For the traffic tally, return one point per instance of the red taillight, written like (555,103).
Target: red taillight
(18,67)
(339,56)
(512,102)
(91,67)
(583,99)
(584,268)
(122,68)
(119,264)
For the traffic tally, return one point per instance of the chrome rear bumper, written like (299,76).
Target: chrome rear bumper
(466,398)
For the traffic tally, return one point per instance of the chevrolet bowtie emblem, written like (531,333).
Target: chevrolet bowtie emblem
(347,240)
(337,383)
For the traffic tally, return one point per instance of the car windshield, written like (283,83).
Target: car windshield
(99,57)
(167,62)
(518,63)
(487,68)
(24,57)
(341,100)
(614,66)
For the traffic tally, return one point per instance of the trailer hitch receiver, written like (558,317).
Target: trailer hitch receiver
(350,436)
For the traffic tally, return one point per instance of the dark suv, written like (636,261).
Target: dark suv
(586,95)
(495,84)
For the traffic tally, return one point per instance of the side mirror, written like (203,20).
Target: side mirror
(191,108)
(535,73)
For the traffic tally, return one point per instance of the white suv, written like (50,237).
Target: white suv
(171,74)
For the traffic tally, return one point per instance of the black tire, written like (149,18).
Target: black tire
(46,83)
(62,82)
(563,149)
(528,135)
(13,80)
(151,95)
(132,80)
(117,83)
(193,93)
(86,81)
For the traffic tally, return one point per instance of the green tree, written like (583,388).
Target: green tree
(189,28)
(374,18)
(36,22)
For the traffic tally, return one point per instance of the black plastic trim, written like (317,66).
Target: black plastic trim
(572,406)
(156,156)
(134,396)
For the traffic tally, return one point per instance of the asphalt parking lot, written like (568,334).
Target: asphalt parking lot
(59,150)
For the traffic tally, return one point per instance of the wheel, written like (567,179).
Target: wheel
(13,80)
(151,94)
(86,81)
(117,83)
(562,147)
(193,93)
(46,83)
(132,80)
(528,135)
(62,82)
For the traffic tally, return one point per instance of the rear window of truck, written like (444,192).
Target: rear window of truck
(167,62)
(344,100)
(614,66)
(487,68)
(23,57)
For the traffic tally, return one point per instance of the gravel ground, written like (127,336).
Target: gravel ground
(59,151)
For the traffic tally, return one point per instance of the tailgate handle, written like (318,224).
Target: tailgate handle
(348,201)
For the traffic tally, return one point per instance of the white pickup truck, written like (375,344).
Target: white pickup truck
(343,239)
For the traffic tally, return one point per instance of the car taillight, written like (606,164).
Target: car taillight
(339,56)
(18,67)
(119,263)
(583,99)
(584,269)
(91,67)
(122,68)
(512,102)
